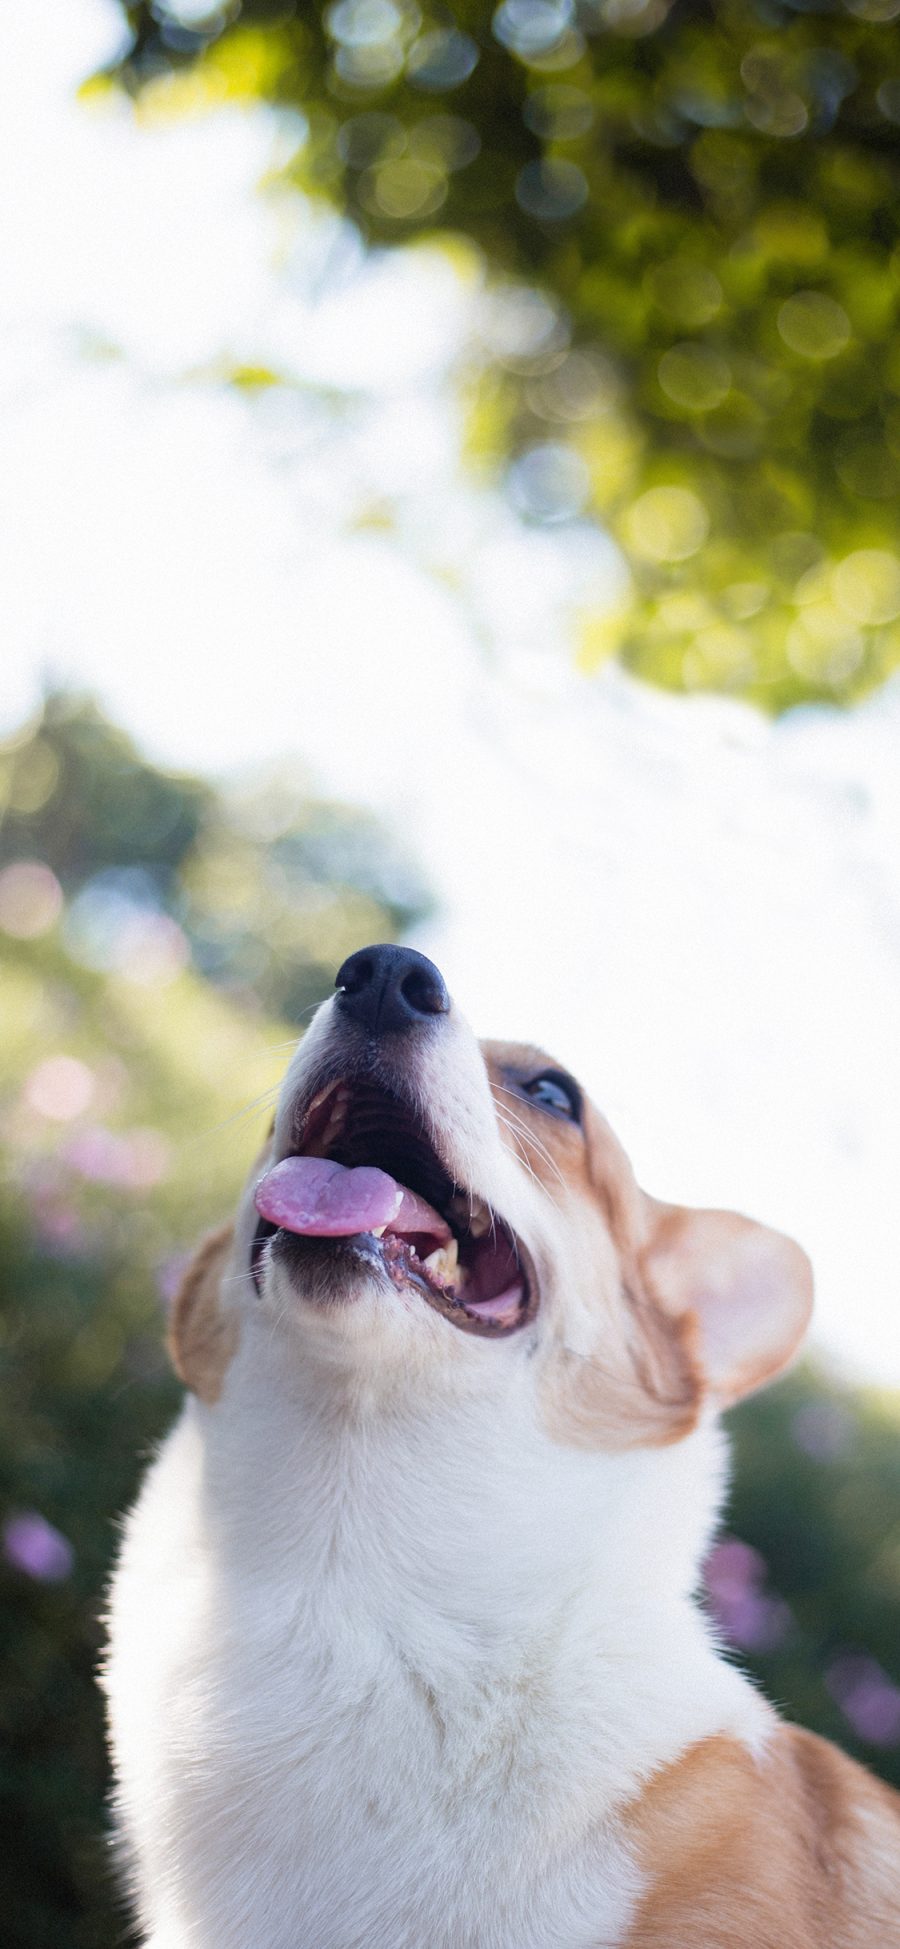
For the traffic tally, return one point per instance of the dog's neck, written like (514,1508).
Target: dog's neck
(534,1597)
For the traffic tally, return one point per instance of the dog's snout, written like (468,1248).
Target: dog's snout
(389,988)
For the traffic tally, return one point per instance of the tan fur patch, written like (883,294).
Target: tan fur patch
(635,1391)
(641,1384)
(799,1849)
(686,1303)
(202,1339)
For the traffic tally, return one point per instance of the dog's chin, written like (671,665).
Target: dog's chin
(364,1292)
(328,1273)
(335,1298)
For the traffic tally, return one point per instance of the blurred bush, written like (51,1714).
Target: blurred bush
(690,215)
(263,889)
(805,1585)
(131,1049)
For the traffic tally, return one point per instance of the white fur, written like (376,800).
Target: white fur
(386,1659)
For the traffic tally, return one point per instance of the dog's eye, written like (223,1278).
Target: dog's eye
(555,1092)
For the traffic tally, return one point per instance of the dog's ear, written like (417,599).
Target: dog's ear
(202,1337)
(746,1291)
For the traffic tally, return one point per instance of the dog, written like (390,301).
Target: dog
(405,1650)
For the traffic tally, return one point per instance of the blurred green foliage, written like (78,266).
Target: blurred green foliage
(690,214)
(265,889)
(134,1088)
(813,1609)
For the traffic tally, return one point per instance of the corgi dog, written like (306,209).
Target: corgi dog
(404,1648)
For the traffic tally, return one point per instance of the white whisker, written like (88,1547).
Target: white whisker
(529,1135)
(246,1110)
(522,1160)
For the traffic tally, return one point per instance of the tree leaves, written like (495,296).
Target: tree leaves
(708,196)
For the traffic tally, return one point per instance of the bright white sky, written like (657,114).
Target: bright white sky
(696,910)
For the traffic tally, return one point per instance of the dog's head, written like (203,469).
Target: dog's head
(435,1214)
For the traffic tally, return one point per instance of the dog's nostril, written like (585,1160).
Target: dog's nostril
(355,974)
(425,993)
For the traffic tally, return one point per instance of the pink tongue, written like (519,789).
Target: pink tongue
(321,1199)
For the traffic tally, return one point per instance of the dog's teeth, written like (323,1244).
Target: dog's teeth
(471,1214)
(320,1145)
(443,1262)
(333,1128)
(378,1231)
(337,1118)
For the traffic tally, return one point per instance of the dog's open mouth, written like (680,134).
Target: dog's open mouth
(365,1171)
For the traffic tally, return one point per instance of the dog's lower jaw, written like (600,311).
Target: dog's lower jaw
(394,1712)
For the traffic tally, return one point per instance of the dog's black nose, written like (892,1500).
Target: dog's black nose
(390,988)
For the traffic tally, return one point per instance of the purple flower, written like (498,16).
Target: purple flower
(747,1614)
(59,1230)
(823,1429)
(32,1545)
(869,1700)
(136,1159)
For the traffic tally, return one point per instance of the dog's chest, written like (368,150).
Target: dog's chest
(352,1811)
(352,1724)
